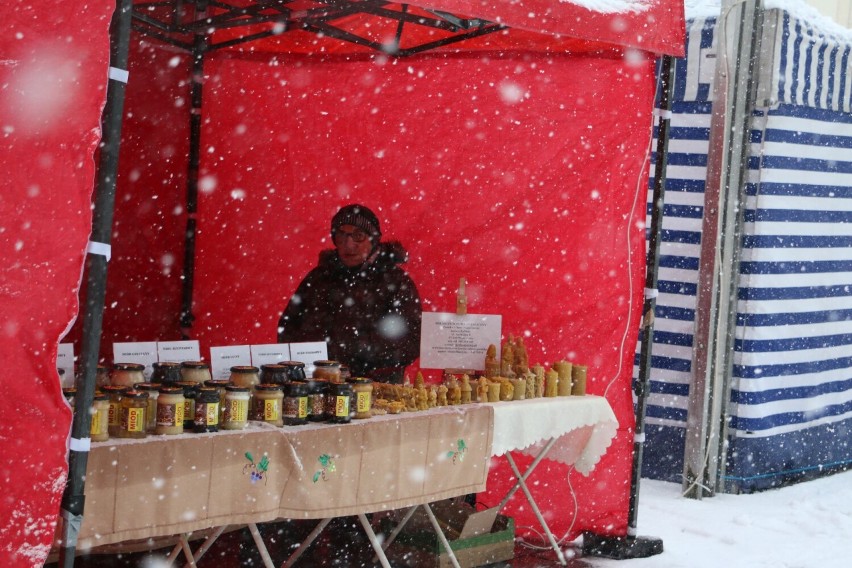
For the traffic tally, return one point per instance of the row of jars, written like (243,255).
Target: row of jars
(185,406)
(129,374)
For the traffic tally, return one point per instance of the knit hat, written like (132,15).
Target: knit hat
(357,216)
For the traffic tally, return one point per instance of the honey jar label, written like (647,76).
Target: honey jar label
(96,423)
(113,414)
(135,420)
(238,410)
(362,402)
(213,414)
(271,410)
(303,407)
(341,407)
(169,414)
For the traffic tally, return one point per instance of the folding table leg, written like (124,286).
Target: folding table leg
(398,529)
(307,542)
(523,484)
(452,555)
(208,542)
(187,551)
(377,546)
(261,546)
(541,455)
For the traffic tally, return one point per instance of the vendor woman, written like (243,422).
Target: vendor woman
(359,300)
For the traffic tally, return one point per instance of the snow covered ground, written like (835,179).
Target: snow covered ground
(808,525)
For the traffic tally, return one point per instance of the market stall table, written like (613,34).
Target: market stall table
(175,485)
(574,430)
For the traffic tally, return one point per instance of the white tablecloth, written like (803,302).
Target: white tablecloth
(527,425)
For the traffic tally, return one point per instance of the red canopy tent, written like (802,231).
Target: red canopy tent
(512,151)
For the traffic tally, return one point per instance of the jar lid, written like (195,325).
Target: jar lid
(100,396)
(340,388)
(297,388)
(326,363)
(170,390)
(235,388)
(195,365)
(146,386)
(128,367)
(188,386)
(268,387)
(69,392)
(135,394)
(165,365)
(112,389)
(216,383)
(208,393)
(244,369)
(360,380)
(273,367)
(291,363)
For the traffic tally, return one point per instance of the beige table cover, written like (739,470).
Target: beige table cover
(169,485)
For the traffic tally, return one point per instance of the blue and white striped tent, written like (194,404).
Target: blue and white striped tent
(791,402)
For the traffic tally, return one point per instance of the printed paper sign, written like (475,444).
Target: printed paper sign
(451,341)
(178,351)
(269,353)
(144,352)
(309,352)
(65,361)
(223,358)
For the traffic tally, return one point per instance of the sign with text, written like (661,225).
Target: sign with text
(65,361)
(144,352)
(178,351)
(223,358)
(451,341)
(269,353)
(308,352)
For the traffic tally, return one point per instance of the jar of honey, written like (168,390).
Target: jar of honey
(219,385)
(363,397)
(127,374)
(153,391)
(99,430)
(316,399)
(170,406)
(267,404)
(132,420)
(190,392)
(274,374)
(295,370)
(166,373)
(206,410)
(338,402)
(327,370)
(236,407)
(195,371)
(244,376)
(296,403)
(101,376)
(114,393)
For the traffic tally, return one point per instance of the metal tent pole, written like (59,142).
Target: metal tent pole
(73,498)
(735,86)
(196,91)
(632,546)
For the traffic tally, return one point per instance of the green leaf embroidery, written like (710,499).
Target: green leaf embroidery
(317,476)
(250,457)
(264,464)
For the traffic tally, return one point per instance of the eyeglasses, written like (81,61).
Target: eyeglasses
(357,235)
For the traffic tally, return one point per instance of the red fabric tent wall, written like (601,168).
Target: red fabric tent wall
(52,77)
(521,173)
(534,200)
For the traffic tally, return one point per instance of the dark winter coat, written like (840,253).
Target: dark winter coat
(369,315)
